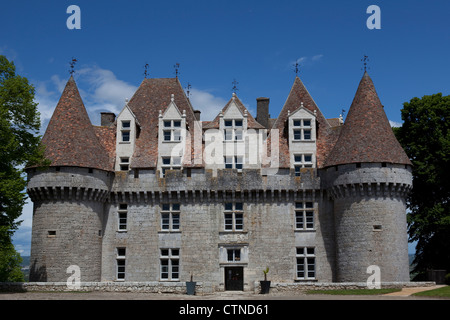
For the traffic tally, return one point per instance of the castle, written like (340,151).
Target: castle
(156,194)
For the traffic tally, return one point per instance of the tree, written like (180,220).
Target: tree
(19,147)
(425,136)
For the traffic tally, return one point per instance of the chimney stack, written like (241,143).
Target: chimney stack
(107,118)
(262,111)
(197,114)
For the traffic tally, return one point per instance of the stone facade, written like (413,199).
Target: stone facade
(150,218)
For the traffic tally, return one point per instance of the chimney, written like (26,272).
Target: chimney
(107,118)
(197,114)
(262,111)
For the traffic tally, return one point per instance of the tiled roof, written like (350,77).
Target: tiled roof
(366,135)
(251,122)
(70,138)
(324,135)
(152,96)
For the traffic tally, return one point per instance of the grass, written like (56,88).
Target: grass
(353,291)
(443,292)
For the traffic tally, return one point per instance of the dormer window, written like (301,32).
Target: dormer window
(125,130)
(233,130)
(302,129)
(170,163)
(124,163)
(235,162)
(172,130)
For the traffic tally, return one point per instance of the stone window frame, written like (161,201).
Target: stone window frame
(124,163)
(173,164)
(233,216)
(120,263)
(237,162)
(125,131)
(302,129)
(234,253)
(173,129)
(169,259)
(233,132)
(122,217)
(173,212)
(304,215)
(305,263)
(300,161)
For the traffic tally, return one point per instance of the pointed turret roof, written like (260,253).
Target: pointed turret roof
(366,135)
(70,138)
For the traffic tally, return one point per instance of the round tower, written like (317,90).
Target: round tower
(68,196)
(368,176)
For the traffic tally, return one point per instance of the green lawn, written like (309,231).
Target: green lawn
(443,292)
(353,291)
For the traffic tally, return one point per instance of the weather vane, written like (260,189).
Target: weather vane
(72,66)
(188,90)
(177,67)
(146,70)
(296,65)
(364,60)
(234,83)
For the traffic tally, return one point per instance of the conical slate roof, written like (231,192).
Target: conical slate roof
(366,135)
(70,138)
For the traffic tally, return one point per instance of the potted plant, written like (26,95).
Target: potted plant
(265,285)
(190,286)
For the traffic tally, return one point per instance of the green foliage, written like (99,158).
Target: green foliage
(10,262)
(425,136)
(447,279)
(443,292)
(19,147)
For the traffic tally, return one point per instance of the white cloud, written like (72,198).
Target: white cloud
(307,61)
(207,103)
(395,124)
(105,90)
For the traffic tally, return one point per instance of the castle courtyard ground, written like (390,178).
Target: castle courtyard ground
(404,294)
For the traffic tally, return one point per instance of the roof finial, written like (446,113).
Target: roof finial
(296,69)
(72,66)
(364,60)
(146,70)
(177,67)
(188,90)
(234,88)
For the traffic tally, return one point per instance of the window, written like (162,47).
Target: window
(233,131)
(233,255)
(234,217)
(122,216)
(302,129)
(170,163)
(235,162)
(170,264)
(302,161)
(306,263)
(170,216)
(125,132)
(304,216)
(120,263)
(172,130)
(124,163)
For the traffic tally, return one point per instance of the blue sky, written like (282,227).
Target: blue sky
(215,42)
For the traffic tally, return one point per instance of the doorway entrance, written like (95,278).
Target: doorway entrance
(234,278)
